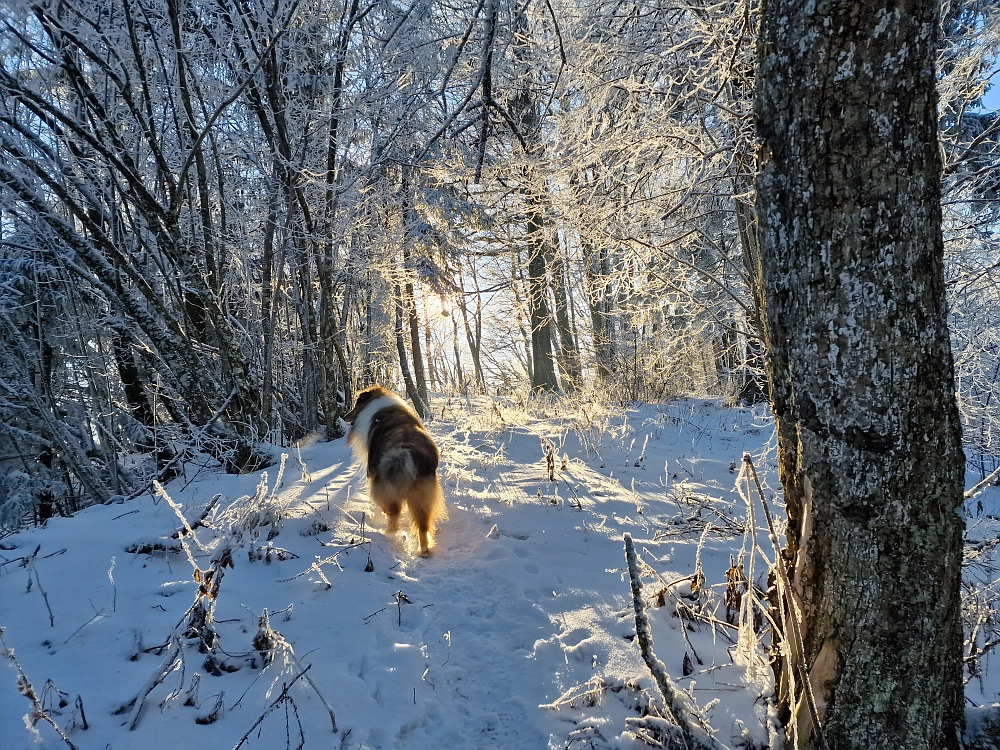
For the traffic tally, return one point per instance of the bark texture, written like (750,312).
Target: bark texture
(848,200)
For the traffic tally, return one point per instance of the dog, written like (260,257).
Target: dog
(401,458)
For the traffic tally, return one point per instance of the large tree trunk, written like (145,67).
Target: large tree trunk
(861,369)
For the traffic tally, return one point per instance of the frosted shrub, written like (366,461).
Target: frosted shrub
(246,517)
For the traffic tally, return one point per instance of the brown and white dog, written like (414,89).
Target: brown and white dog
(401,458)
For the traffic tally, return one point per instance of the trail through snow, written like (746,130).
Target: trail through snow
(517,633)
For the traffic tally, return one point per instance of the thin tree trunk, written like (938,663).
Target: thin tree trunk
(569,353)
(410,234)
(597,303)
(432,377)
(522,292)
(310,366)
(460,377)
(474,338)
(754,388)
(334,389)
(404,364)
(542,362)
(267,295)
(413,324)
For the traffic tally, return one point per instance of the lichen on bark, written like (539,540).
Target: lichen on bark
(861,369)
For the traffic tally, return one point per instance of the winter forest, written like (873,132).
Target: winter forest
(221,219)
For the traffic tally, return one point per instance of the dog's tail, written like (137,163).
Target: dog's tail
(397,467)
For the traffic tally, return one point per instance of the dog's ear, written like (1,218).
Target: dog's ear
(364,398)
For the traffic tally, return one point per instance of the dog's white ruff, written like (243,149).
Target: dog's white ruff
(358,434)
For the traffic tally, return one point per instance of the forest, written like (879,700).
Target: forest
(221,219)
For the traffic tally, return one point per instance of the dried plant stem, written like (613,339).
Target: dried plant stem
(186,532)
(269,641)
(282,697)
(32,570)
(168,665)
(694,735)
(199,521)
(791,617)
(26,689)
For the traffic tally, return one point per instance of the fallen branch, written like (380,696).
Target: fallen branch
(29,563)
(991,479)
(693,735)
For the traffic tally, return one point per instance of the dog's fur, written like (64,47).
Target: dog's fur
(401,459)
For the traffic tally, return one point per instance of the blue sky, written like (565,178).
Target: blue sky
(992,98)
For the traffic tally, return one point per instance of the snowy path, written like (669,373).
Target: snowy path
(524,600)
(489,615)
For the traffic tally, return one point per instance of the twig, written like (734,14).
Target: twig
(26,689)
(327,561)
(268,641)
(114,586)
(200,520)
(97,616)
(401,599)
(188,531)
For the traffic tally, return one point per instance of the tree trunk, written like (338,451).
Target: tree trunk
(474,337)
(433,380)
(542,364)
(754,388)
(525,110)
(569,360)
(404,364)
(411,233)
(334,391)
(596,270)
(460,383)
(861,369)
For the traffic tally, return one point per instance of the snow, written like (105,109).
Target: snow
(517,633)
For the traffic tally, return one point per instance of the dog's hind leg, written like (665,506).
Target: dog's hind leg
(386,498)
(392,511)
(420,518)
(426,505)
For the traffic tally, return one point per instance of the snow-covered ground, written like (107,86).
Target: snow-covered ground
(518,633)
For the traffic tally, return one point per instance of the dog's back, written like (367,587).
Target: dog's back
(401,460)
